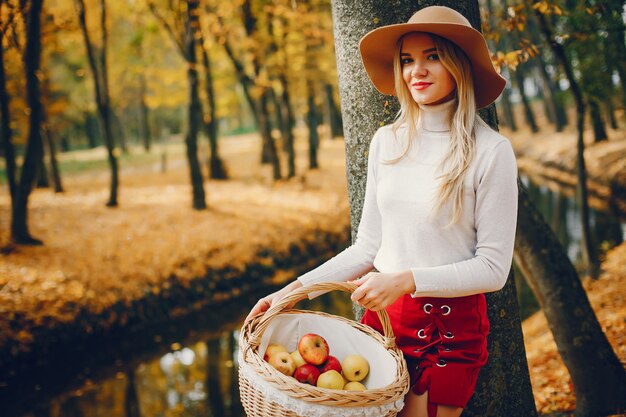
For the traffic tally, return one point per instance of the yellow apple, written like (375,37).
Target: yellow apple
(354,386)
(330,379)
(297,358)
(355,367)
(272,349)
(283,362)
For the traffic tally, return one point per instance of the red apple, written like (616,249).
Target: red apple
(307,374)
(331,363)
(313,348)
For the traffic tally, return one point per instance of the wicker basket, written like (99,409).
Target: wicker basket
(284,391)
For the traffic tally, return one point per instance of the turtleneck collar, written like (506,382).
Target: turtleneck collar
(436,118)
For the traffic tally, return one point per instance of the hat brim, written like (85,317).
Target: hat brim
(378,48)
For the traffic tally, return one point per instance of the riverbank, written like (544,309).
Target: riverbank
(550,157)
(102,270)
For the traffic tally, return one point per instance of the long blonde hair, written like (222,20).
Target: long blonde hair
(462,124)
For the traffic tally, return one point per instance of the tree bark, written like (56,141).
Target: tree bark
(504,387)
(50,142)
(217,170)
(34,146)
(312,122)
(288,124)
(335,122)
(597,374)
(599,131)
(101,88)
(528,111)
(194,108)
(5,126)
(146,133)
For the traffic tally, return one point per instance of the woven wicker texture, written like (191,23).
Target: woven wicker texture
(255,403)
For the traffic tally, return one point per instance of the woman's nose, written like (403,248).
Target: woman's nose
(418,70)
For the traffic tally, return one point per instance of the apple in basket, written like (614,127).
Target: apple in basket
(272,349)
(313,348)
(283,362)
(355,367)
(330,379)
(297,358)
(307,374)
(331,363)
(354,386)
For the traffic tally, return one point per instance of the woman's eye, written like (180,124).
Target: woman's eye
(433,57)
(405,61)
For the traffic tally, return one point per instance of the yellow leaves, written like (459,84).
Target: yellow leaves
(546,7)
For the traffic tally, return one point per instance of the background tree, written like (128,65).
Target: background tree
(504,387)
(5,113)
(589,252)
(182,25)
(34,147)
(98,63)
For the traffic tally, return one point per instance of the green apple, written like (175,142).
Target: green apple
(297,358)
(354,386)
(272,349)
(330,379)
(355,367)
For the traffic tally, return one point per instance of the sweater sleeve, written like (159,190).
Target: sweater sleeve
(358,258)
(495,222)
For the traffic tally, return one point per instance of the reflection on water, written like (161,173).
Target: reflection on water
(199,378)
(196,380)
(561,211)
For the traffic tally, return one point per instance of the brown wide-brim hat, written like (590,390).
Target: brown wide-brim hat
(379,46)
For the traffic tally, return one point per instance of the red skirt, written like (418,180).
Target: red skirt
(444,341)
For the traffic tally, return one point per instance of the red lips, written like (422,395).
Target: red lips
(420,85)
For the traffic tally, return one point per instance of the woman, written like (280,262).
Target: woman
(440,207)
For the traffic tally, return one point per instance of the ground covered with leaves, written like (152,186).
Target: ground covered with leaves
(95,257)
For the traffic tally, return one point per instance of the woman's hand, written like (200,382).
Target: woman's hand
(379,290)
(266,302)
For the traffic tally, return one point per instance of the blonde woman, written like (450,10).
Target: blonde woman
(439,215)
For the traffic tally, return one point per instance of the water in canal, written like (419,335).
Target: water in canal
(196,375)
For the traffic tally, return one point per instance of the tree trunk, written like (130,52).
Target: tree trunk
(336,124)
(41,175)
(589,252)
(217,170)
(101,89)
(610,112)
(34,146)
(52,154)
(194,108)
(269,145)
(504,387)
(146,133)
(5,126)
(597,374)
(509,116)
(528,111)
(312,121)
(599,131)
(288,124)
(49,141)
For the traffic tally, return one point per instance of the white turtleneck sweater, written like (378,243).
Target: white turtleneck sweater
(399,231)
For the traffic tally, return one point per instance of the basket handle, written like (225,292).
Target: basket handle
(298,294)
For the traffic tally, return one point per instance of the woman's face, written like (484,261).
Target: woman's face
(424,75)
